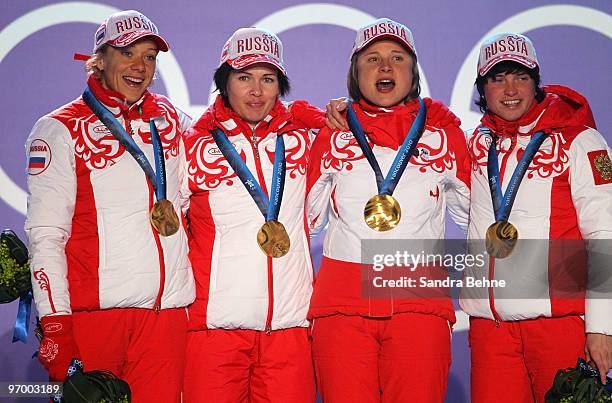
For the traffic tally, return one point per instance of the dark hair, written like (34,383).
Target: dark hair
(352,80)
(507,67)
(221,79)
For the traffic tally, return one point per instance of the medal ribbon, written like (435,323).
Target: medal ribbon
(386,185)
(502,203)
(268,207)
(22,323)
(157,179)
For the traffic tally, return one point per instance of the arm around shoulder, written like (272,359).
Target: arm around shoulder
(319,182)
(457,190)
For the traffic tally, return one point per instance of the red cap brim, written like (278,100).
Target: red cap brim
(514,58)
(128,39)
(381,37)
(248,60)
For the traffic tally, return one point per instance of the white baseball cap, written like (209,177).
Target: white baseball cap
(124,28)
(506,46)
(248,46)
(384,28)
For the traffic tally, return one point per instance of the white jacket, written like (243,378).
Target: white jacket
(565,196)
(238,287)
(341,181)
(90,240)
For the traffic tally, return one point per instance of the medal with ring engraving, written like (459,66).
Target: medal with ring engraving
(273,239)
(382,213)
(164,218)
(501,239)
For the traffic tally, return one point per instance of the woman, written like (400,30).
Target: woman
(539,144)
(109,258)
(249,239)
(373,343)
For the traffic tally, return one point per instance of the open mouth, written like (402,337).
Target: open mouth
(511,103)
(132,81)
(385,85)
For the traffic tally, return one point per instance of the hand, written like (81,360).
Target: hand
(598,349)
(333,116)
(57,347)
(439,115)
(306,115)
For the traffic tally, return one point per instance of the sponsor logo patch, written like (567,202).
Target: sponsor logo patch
(39,157)
(98,132)
(601,167)
(101,129)
(346,136)
(52,327)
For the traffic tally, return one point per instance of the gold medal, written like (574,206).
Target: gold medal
(501,239)
(382,213)
(164,218)
(273,239)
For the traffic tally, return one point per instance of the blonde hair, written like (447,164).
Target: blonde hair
(91,65)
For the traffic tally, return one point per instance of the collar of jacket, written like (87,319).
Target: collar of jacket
(386,127)
(562,107)
(220,116)
(117,103)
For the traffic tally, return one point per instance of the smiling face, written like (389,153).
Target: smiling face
(129,70)
(509,95)
(253,91)
(384,73)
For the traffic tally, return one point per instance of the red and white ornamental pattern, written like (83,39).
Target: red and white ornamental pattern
(341,181)
(238,287)
(560,198)
(90,238)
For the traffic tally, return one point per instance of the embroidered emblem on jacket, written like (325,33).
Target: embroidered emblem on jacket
(601,167)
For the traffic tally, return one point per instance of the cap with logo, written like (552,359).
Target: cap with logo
(506,46)
(248,46)
(384,28)
(124,28)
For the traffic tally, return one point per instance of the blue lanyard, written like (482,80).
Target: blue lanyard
(268,207)
(502,203)
(386,185)
(157,178)
(22,323)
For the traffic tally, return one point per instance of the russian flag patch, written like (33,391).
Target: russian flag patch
(39,157)
(36,162)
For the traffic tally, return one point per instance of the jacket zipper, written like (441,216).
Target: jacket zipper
(502,171)
(160,250)
(254,145)
(262,183)
(162,271)
(491,296)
